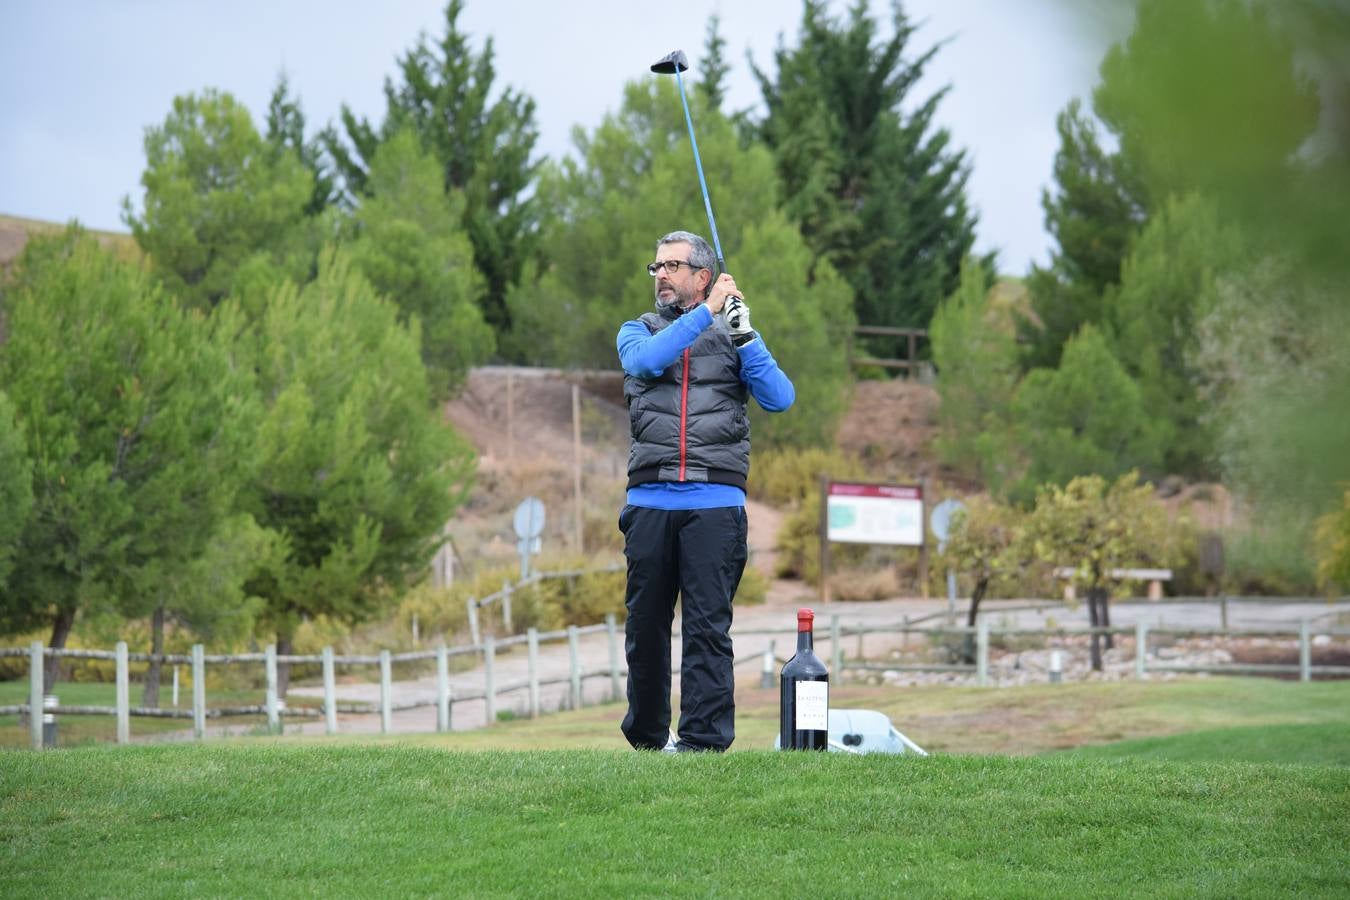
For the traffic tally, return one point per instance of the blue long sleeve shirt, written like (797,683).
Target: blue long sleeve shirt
(646,355)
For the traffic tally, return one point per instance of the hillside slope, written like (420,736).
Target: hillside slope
(15,232)
(521,422)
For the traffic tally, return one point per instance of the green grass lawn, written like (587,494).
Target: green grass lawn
(1325,744)
(399,820)
(1022,721)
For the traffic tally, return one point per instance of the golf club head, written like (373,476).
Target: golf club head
(673,62)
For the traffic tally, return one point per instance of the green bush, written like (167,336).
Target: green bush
(789,477)
(547,604)
(753,590)
(1271,560)
(799,543)
(1183,558)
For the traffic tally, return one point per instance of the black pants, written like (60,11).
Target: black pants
(700,555)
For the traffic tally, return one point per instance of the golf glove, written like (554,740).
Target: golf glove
(738,321)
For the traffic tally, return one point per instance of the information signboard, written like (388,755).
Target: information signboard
(875,514)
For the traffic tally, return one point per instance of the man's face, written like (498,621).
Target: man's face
(685,285)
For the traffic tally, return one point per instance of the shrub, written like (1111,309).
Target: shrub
(1271,560)
(753,590)
(547,604)
(865,585)
(789,477)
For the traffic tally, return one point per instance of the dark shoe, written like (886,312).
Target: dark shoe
(682,747)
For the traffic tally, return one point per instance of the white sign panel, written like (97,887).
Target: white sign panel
(875,514)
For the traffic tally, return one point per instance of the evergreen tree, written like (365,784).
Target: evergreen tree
(975,350)
(879,192)
(286,131)
(712,83)
(1168,285)
(16,487)
(222,206)
(138,425)
(1093,215)
(1210,112)
(410,244)
(484,149)
(1085,418)
(357,473)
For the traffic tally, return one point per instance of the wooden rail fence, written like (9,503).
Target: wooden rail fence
(614,670)
(911,335)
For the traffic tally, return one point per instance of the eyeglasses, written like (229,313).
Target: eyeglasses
(670,265)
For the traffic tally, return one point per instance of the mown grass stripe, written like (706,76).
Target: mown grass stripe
(365,820)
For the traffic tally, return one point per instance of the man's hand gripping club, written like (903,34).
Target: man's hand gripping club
(726,298)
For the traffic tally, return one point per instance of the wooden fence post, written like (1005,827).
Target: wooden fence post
(474,634)
(533,637)
(612,631)
(836,648)
(1304,651)
(489,680)
(329,692)
(198,691)
(506,608)
(273,713)
(123,697)
(386,692)
(35,688)
(1140,649)
(442,688)
(574,653)
(824,538)
(982,652)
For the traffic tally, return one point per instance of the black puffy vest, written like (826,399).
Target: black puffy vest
(690,427)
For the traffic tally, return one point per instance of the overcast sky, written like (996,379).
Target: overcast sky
(81,79)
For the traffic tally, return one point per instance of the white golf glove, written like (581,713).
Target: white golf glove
(738,321)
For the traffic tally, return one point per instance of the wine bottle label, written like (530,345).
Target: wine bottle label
(813,706)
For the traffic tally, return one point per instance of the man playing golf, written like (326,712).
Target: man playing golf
(689,368)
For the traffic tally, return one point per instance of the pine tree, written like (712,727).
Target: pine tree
(975,350)
(1088,417)
(138,426)
(1093,214)
(409,241)
(16,487)
(484,149)
(879,192)
(714,70)
(223,208)
(286,130)
(357,473)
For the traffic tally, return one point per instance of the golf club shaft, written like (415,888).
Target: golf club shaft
(698,164)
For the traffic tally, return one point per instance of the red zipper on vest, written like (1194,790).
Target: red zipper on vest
(684,410)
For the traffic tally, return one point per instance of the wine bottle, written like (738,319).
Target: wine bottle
(804,706)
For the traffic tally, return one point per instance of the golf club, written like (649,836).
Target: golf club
(675,63)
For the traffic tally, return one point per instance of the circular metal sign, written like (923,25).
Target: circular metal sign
(529,518)
(941,519)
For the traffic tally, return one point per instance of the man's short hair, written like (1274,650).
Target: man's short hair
(700,254)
